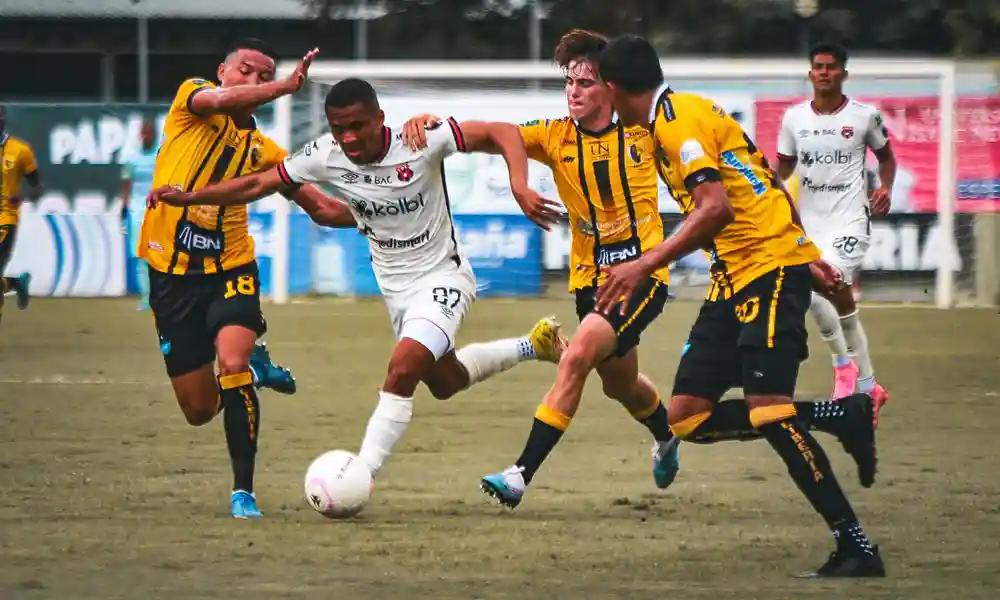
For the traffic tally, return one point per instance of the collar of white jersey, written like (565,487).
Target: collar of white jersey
(656,101)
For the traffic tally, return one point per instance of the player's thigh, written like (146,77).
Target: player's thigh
(628,325)
(179,304)
(234,308)
(434,311)
(710,360)
(773,340)
(846,250)
(8,234)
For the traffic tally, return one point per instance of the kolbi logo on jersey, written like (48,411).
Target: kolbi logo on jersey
(394,208)
(835,157)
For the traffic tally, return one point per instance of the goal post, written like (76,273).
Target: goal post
(440,81)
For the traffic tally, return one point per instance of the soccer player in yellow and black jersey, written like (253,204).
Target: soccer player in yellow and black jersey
(17,162)
(751,329)
(605,175)
(204,288)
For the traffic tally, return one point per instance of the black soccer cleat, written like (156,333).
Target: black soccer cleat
(849,565)
(858,437)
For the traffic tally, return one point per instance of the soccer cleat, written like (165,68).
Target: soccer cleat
(507,487)
(858,437)
(23,294)
(269,375)
(879,399)
(665,463)
(244,505)
(850,565)
(845,378)
(547,339)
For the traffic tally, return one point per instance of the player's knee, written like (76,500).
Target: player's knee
(442,391)
(684,408)
(198,412)
(577,361)
(231,363)
(620,390)
(401,377)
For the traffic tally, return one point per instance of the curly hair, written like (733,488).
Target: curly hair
(577,44)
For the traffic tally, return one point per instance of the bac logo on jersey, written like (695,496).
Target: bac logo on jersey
(847,132)
(378,179)
(404,172)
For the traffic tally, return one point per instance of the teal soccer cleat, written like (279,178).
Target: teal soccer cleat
(244,505)
(665,463)
(506,487)
(269,375)
(23,295)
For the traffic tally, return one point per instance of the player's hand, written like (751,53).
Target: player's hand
(827,279)
(298,77)
(415,130)
(619,286)
(168,194)
(881,201)
(542,211)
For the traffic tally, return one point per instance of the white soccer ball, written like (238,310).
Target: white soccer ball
(338,484)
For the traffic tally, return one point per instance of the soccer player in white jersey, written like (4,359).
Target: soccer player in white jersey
(826,140)
(400,202)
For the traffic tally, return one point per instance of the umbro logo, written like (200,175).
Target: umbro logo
(349,177)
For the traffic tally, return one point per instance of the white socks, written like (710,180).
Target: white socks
(857,345)
(487,359)
(831,329)
(385,427)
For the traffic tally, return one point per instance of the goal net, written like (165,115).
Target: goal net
(944,121)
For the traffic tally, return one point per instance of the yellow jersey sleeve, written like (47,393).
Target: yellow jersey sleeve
(27,161)
(536,140)
(271,154)
(181,110)
(690,147)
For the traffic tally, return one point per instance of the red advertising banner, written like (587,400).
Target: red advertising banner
(913,126)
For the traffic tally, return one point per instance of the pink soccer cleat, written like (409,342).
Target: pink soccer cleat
(879,399)
(845,378)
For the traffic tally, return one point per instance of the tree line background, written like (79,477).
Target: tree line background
(485,28)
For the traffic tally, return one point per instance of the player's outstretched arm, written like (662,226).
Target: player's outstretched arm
(505,139)
(234,192)
(209,100)
(322,208)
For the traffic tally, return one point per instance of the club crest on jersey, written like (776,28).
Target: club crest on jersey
(255,156)
(635,153)
(404,172)
(847,132)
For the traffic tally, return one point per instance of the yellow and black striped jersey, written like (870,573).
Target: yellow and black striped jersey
(17,160)
(607,181)
(196,151)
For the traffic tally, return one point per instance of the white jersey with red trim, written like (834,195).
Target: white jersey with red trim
(400,200)
(830,151)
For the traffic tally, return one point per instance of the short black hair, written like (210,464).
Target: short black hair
(838,52)
(348,92)
(252,44)
(631,63)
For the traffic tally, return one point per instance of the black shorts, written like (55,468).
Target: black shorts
(7,235)
(646,304)
(189,311)
(754,340)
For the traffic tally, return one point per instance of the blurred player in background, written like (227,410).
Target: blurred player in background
(826,140)
(605,177)
(17,162)
(399,199)
(751,330)
(204,288)
(137,181)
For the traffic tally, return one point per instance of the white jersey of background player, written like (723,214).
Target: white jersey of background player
(399,201)
(826,141)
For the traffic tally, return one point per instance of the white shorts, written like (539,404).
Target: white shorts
(845,249)
(441,299)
